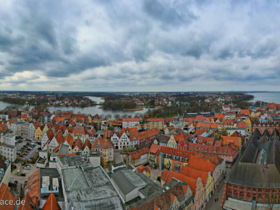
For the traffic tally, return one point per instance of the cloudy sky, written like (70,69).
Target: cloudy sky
(145,45)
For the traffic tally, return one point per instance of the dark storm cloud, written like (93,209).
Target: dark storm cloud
(164,14)
(143,43)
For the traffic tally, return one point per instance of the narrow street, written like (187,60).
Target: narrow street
(212,205)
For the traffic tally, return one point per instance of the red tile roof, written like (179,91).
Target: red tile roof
(69,139)
(201,164)
(6,195)
(138,153)
(59,137)
(33,186)
(51,203)
(154,149)
(26,203)
(155,120)
(167,176)
(195,174)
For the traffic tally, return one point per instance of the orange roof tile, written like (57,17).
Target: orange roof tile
(51,203)
(138,153)
(201,164)
(154,148)
(59,137)
(6,195)
(28,203)
(195,173)
(69,139)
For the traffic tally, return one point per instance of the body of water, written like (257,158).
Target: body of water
(88,110)
(266,97)
(98,100)
(96,110)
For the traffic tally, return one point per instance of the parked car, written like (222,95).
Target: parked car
(23,174)
(16,161)
(22,163)
(27,167)
(21,155)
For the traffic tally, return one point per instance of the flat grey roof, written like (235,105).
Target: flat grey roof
(89,189)
(127,180)
(52,173)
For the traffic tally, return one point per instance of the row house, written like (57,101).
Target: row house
(8,147)
(138,157)
(228,152)
(131,123)
(199,175)
(32,130)
(196,186)
(80,132)
(20,128)
(121,142)
(130,137)
(172,158)
(105,147)
(235,140)
(175,196)
(155,123)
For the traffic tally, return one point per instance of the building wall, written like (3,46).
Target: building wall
(9,152)
(7,176)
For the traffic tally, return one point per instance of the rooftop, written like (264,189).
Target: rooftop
(89,189)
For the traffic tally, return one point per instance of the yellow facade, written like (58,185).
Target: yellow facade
(209,188)
(38,133)
(248,125)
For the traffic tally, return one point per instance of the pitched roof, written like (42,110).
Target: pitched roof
(138,153)
(219,115)
(154,148)
(27,204)
(195,174)
(155,119)
(59,137)
(51,203)
(241,124)
(201,164)
(231,140)
(87,144)
(79,131)
(69,139)
(167,176)
(50,134)
(6,195)
(100,143)
(33,186)
(164,200)
(78,143)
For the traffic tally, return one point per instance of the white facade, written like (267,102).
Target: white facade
(31,132)
(131,124)
(8,148)
(5,176)
(120,143)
